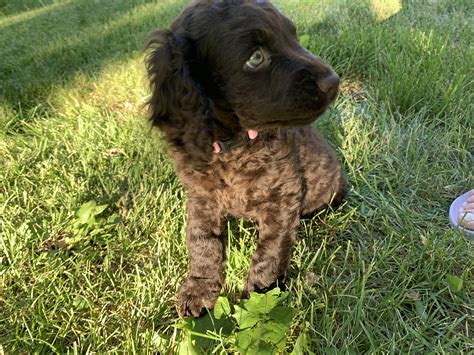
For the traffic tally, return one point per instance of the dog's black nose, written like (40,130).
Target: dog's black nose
(329,84)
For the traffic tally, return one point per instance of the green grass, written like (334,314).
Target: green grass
(371,277)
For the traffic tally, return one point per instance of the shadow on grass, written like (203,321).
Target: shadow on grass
(9,7)
(49,48)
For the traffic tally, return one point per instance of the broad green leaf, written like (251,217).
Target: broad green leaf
(185,323)
(86,211)
(249,342)
(99,209)
(220,318)
(455,283)
(186,347)
(160,341)
(201,326)
(283,315)
(274,333)
(244,339)
(264,303)
(245,319)
(302,345)
(222,308)
(114,219)
(261,348)
(275,292)
(197,329)
(91,221)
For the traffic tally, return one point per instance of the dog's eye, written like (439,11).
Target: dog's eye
(256,59)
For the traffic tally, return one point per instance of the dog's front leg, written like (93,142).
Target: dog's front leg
(271,259)
(203,239)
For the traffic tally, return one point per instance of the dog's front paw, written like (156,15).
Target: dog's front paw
(196,295)
(253,287)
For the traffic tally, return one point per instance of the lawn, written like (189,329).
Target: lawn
(384,273)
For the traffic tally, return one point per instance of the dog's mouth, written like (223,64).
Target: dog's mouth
(253,123)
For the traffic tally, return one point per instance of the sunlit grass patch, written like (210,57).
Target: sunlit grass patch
(110,90)
(384,9)
(12,12)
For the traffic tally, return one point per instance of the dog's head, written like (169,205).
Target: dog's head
(236,64)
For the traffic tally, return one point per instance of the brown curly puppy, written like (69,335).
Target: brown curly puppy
(234,94)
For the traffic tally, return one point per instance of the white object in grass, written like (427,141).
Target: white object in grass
(458,216)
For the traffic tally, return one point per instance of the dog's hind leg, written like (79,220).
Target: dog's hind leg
(325,183)
(323,193)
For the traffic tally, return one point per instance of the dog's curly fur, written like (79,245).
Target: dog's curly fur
(205,90)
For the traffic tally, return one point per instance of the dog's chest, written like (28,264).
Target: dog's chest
(254,181)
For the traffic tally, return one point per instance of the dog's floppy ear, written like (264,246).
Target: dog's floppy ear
(178,105)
